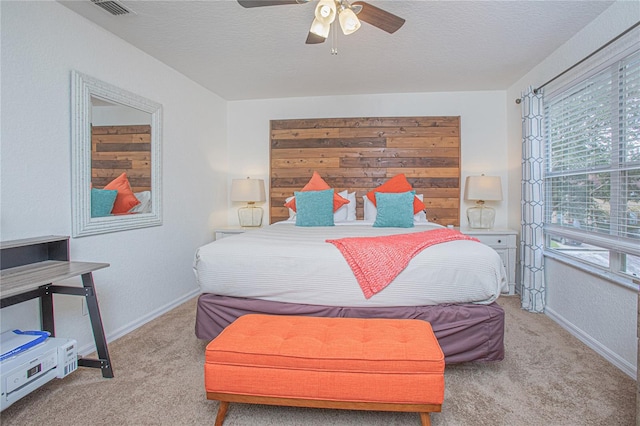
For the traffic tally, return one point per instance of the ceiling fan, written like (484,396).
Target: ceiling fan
(349,16)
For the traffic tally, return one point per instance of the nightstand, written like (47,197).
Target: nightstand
(503,241)
(230,231)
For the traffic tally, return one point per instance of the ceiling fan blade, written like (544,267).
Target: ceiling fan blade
(314,38)
(260,3)
(379,18)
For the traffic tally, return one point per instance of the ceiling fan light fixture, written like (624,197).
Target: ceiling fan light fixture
(320,28)
(326,11)
(349,22)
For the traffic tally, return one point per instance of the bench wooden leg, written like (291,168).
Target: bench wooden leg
(222,412)
(425,418)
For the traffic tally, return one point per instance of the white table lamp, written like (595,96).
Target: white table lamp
(482,188)
(249,191)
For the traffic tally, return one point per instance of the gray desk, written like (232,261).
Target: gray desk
(29,267)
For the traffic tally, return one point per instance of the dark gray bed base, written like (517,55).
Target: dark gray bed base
(466,332)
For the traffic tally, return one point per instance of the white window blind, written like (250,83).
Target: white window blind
(592,159)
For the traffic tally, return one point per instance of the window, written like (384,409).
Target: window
(592,169)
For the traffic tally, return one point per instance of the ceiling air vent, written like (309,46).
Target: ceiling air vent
(111,6)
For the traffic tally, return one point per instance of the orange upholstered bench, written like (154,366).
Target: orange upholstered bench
(345,363)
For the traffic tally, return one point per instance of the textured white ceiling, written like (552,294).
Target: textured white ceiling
(260,53)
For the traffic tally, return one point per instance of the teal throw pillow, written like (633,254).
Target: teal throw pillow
(102,201)
(395,209)
(314,208)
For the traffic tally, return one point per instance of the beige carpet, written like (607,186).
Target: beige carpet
(547,378)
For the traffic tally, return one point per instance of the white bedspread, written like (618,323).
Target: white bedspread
(287,263)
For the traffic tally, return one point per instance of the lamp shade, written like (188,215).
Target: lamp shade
(484,188)
(248,190)
(326,11)
(349,22)
(320,28)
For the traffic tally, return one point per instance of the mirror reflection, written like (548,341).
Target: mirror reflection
(120,159)
(116,158)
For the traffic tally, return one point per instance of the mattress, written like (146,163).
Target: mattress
(286,263)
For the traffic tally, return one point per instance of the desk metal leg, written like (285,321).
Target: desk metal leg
(46,310)
(96,325)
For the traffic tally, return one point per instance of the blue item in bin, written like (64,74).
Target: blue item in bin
(16,341)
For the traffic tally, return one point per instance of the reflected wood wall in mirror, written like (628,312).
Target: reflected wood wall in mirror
(114,132)
(121,149)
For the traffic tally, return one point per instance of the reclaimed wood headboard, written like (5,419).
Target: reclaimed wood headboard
(117,149)
(360,154)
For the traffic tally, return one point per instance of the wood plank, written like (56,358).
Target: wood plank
(453,192)
(118,138)
(119,130)
(424,142)
(447,203)
(387,132)
(441,172)
(364,153)
(412,162)
(367,122)
(102,181)
(305,133)
(110,164)
(123,147)
(324,143)
(327,172)
(134,156)
(305,162)
(114,173)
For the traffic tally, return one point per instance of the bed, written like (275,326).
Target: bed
(287,270)
(292,270)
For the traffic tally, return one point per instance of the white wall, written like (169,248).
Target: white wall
(584,304)
(151,268)
(483,129)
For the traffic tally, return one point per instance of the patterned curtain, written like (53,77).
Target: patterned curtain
(531,237)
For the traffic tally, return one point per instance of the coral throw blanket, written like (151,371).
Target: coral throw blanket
(376,261)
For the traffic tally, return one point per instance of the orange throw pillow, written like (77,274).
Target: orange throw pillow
(316,183)
(125,200)
(398,183)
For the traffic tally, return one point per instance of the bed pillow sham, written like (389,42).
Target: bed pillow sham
(145,202)
(398,183)
(316,183)
(346,212)
(370,211)
(394,209)
(102,201)
(125,200)
(315,208)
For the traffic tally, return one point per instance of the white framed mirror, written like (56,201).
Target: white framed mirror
(116,158)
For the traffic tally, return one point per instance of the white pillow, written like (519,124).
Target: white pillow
(351,211)
(421,216)
(145,202)
(292,214)
(370,211)
(343,214)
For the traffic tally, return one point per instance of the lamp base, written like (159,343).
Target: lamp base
(481,217)
(250,216)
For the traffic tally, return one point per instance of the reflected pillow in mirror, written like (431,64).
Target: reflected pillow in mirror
(102,201)
(125,200)
(145,202)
